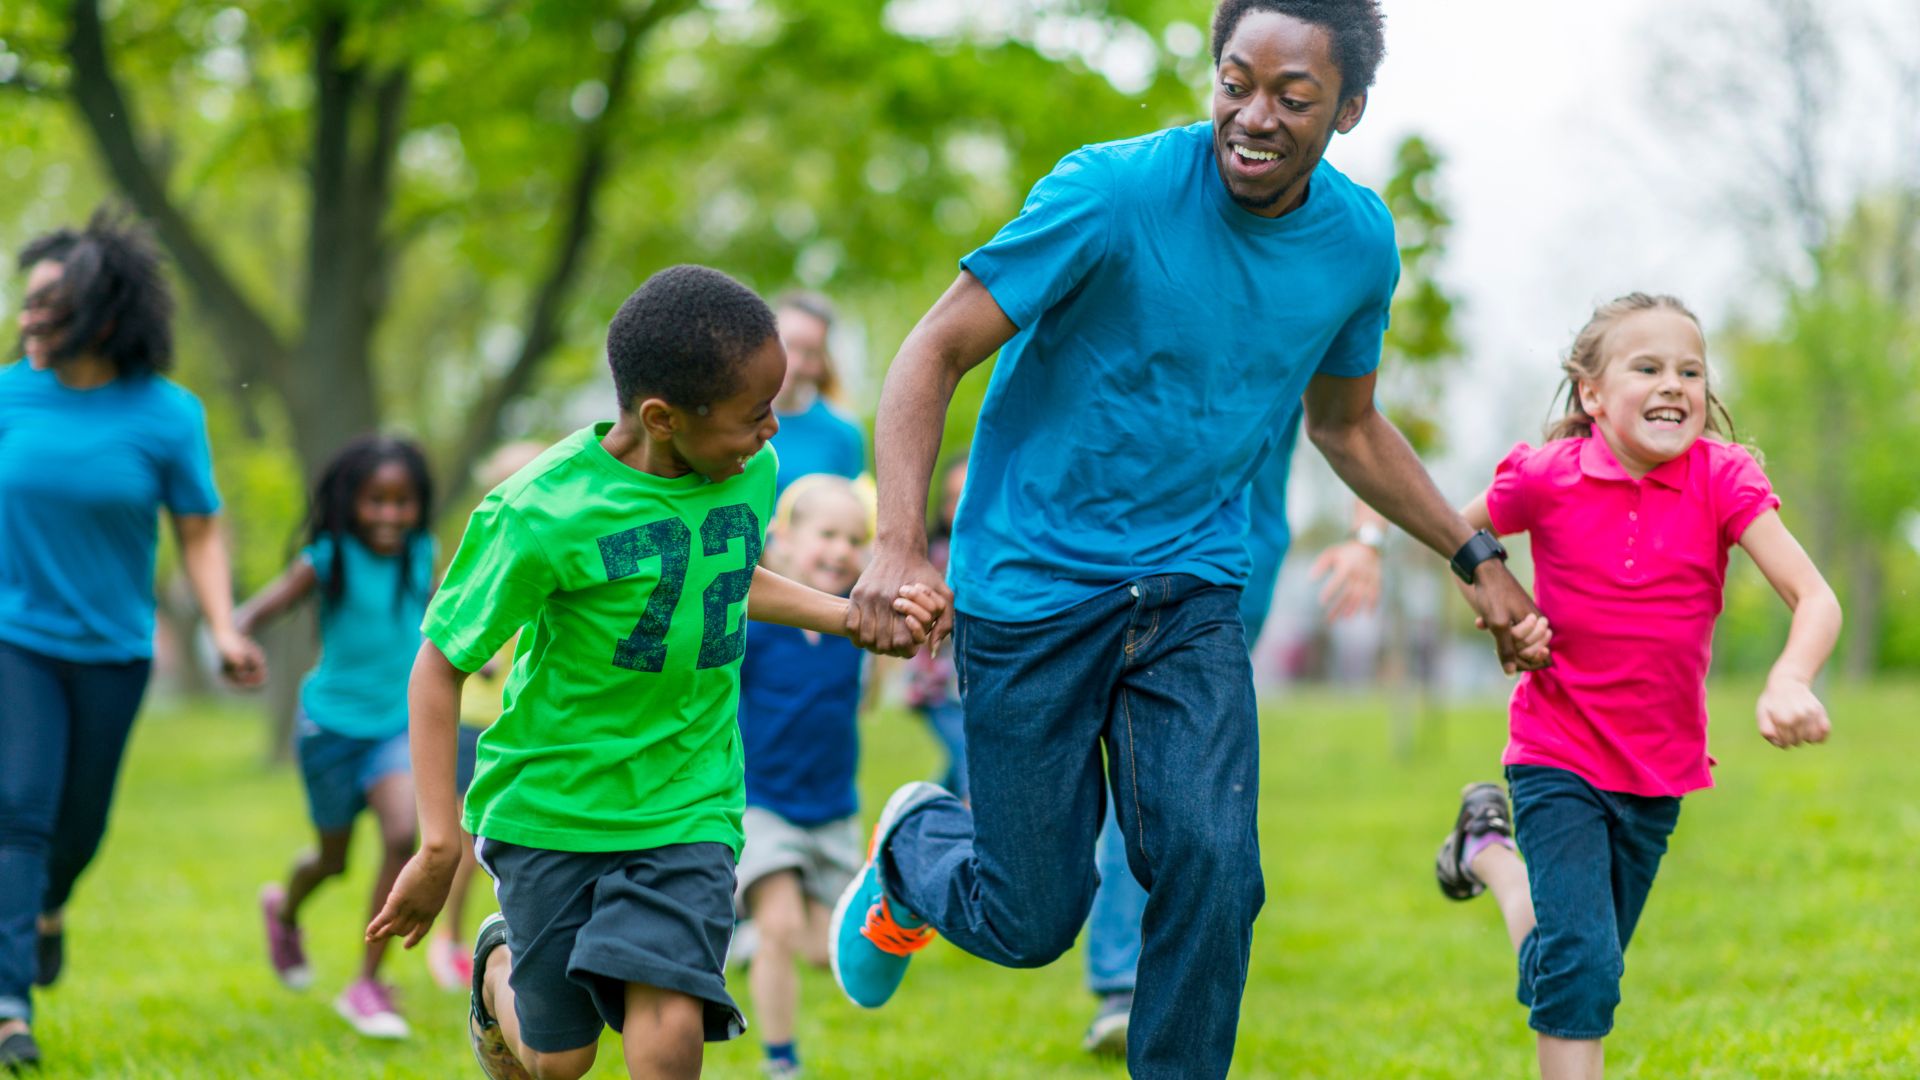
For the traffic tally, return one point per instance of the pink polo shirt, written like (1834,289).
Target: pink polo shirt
(1630,575)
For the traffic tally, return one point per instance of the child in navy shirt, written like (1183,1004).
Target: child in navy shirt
(799,701)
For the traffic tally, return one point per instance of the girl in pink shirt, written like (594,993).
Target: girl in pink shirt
(1631,507)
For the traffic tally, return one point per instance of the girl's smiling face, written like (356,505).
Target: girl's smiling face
(1650,401)
(386,508)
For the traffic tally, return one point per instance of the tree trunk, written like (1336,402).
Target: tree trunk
(1866,572)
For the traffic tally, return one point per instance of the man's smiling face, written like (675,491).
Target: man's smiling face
(1276,105)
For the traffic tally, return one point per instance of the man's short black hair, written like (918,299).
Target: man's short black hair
(112,299)
(1356,26)
(683,336)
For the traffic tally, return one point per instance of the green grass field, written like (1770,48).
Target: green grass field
(1780,941)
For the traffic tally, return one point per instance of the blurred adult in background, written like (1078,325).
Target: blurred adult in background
(815,435)
(94,442)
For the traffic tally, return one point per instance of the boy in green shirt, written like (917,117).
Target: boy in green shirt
(607,798)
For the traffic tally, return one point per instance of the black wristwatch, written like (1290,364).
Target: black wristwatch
(1479,547)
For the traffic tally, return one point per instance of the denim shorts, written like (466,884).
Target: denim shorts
(583,924)
(339,770)
(1591,859)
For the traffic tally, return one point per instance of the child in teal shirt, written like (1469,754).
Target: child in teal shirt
(608,796)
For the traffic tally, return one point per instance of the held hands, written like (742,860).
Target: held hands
(1790,714)
(1351,571)
(417,896)
(241,661)
(1520,633)
(900,603)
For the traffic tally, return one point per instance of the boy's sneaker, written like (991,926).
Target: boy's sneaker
(449,962)
(1107,1035)
(368,1006)
(870,940)
(780,1070)
(483,1030)
(1483,810)
(284,950)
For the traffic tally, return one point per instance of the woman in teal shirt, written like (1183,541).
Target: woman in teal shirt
(94,441)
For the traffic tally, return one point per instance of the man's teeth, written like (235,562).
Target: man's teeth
(1254,155)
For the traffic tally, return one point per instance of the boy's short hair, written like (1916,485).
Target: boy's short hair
(683,336)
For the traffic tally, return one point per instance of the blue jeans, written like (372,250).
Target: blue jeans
(1591,859)
(1158,671)
(63,728)
(1113,930)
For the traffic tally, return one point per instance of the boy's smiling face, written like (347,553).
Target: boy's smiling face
(716,442)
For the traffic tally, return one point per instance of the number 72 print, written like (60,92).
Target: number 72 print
(671,542)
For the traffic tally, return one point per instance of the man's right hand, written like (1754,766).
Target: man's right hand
(872,621)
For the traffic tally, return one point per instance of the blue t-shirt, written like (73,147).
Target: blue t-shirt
(818,440)
(368,638)
(1268,533)
(799,731)
(1165,336)
(83,475)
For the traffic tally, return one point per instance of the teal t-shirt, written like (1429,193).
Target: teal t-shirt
(818,439)
(1165,338)
(368,637)
(617,730)
(83,475)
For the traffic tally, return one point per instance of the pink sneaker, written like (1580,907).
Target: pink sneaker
(284,950)
(368,1006)
(450,962)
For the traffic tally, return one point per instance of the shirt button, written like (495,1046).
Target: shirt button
(1633,515)
(1629,541)
(1629,564)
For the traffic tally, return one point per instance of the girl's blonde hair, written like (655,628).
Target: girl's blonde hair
(807,488)
(1585,362)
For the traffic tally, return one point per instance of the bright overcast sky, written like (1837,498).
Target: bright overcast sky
(1567,181)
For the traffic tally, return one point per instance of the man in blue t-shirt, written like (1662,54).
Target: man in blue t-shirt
(1164,303)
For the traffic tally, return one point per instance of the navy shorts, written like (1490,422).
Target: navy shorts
(581,925)
(339,770)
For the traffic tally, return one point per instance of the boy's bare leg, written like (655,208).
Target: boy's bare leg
(1571,1059)
(665,1036)
(1500,869)
(497,995)
(813,944)
(778,907)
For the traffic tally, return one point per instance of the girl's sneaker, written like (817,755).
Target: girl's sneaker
(450,963)
(368,1006)
(19,1053)
(284,948)
(1483,811)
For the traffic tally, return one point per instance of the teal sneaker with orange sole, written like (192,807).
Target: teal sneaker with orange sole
(871,938)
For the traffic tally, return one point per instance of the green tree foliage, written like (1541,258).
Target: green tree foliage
(1833,394)
(421,215)
(1421,339)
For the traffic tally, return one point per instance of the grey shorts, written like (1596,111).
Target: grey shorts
(581,925)
(825,856)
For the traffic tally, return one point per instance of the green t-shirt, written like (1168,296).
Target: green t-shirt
(618,730)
